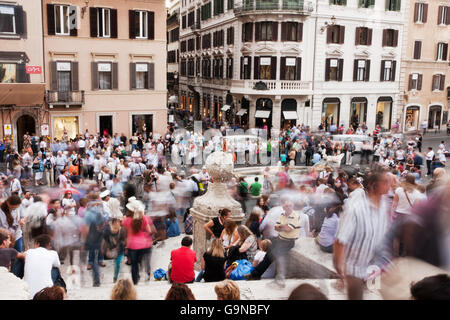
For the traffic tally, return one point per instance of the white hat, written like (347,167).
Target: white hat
(105,194)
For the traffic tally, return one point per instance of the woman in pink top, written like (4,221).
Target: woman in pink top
(139,237)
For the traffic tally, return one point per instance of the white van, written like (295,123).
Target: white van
(357,139)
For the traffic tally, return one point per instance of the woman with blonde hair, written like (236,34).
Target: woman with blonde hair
(213,263)
(227,290)
(139,237)
(123,290)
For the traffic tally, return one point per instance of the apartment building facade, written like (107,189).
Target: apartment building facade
(22,84)
(357,62)
(425,66)
(103,59)
(173,53)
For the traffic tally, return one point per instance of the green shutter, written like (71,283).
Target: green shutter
(387,5)
(397,5)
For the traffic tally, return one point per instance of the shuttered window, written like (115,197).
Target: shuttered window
(443,15)
(420,12)
(415,82)
(366,3)
(388,69)
(441,51)
(361,70)
(417,49)
(291,31)
(390,38)
(246,63)
(334,69)
(363,36)
(438,82)
(393,5)
(105,76)
(247,32)
(103,22)
(336,34)
(290,68)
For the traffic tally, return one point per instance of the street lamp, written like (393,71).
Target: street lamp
(328,24)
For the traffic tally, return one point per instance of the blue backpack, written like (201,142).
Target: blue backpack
(160,274)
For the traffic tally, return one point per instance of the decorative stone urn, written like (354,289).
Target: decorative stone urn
(220,167)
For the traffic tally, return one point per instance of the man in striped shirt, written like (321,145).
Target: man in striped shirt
(288,227)
(361,231)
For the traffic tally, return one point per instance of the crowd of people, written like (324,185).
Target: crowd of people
(114,198)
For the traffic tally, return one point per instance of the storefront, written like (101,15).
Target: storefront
(142,124)
(384,113)
(330,112)
(263,114)
(412,118)
(242,114)
(434,117)
(65,124)
(358,111)
(288,113)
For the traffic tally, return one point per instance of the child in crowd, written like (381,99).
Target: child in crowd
(260,254)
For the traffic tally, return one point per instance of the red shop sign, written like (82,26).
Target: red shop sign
(34,70)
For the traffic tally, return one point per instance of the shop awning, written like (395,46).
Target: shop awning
(290,115)
(262,114)
(226,107)
(22,94)
(241,112)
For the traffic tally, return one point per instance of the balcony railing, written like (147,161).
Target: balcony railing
(253,6)
(69,97)
(274,87)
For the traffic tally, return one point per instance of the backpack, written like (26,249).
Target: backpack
(196,193)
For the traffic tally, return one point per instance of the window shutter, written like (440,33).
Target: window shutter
(94,75)
(329,35)
(416,12)
(73,19)
(232,35)
(132,75)
(250,32)
(440,12)
(367,71)
(243,32)
(417,49)
(256,69)
(397,5)
(382,70)
(151,76)
(283,68)
(369,37)
(394,64)
(283,31)
(21,74)
(410,82)
(341,69)
(273,68)
(151,25)
(257,31)
(357,36)
(300,32)
(19,16)
(441,86)
(355,70)
(419,82)
(274,31)
(425,12)
(113,20)
(53,76)
(433,82)
(448,16)
(242,68)
(51,19)
(115,75)
(384,38)
(327,70)
(74,75)
(132,24)
(444,52)
(93,22)
(298,69)
(395,38)
(341,34)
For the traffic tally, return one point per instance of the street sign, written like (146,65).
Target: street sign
(34,70)
(7,128)
(44,130)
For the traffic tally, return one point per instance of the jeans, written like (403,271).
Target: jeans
(117,262)
(95,253)
(136,259)
(19,245)
(200,276)
(92,255)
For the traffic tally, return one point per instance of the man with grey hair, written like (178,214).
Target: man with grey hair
(288,227)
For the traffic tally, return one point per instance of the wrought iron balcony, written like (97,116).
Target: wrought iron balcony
(260,6)
(68,98)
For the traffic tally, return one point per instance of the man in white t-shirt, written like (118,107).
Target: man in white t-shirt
(429,159)
(15,185)
(39,263)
